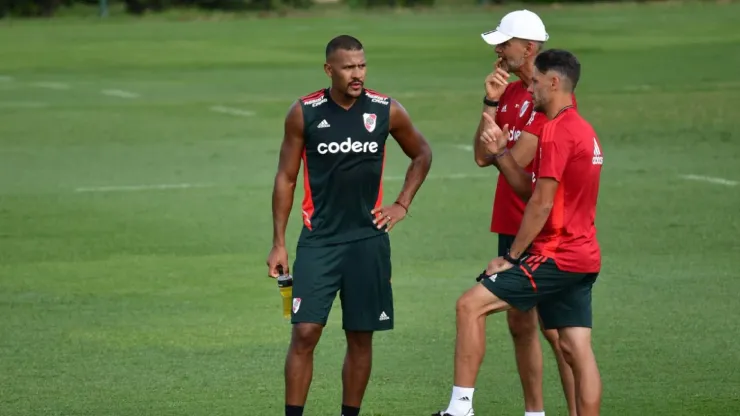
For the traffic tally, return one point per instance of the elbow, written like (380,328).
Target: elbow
(284,180)
(424,157)
(481,160)
(544,203)
(428,156)
(546,209)
(481,157)
(542,206)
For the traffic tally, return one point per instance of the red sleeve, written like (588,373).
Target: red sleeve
(555,146)
(535,124)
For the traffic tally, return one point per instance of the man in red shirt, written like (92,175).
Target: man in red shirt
(518,39)
(555,258)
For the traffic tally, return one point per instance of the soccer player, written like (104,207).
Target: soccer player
(340,135)
(517,40)
(556,273)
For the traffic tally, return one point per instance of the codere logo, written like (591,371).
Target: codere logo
(514,136)
(348,146)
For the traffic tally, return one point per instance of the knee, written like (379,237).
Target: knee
(360,343)
(305,337)
(566,350)
(575,345)
(477,302)
(566,347)
(522,325)
(464,307)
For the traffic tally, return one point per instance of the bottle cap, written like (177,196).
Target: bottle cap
(284,280)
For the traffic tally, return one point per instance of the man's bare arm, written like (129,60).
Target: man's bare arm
(524,149)
(287,173)
(415,146)
(535,215)
(512,164)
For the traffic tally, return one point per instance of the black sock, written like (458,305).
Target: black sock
(350,411)
(293,410)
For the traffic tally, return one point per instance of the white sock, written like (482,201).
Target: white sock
(461,401)
(534,413)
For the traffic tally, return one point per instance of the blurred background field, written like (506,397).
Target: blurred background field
(136,162)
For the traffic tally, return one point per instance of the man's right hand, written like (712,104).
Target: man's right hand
(496,82)
(278,257)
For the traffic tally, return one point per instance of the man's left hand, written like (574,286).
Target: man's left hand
(388,216)
(494,138)
(498,265)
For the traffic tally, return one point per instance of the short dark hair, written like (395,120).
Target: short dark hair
(562,62)
(345,42)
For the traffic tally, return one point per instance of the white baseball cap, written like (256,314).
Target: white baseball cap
(521,24)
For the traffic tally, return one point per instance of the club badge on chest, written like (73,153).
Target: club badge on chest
(370,121)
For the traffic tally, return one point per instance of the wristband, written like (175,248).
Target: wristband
(402,206)
(502,153)
(489,103)
(512,260)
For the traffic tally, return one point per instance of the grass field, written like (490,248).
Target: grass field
(136,166)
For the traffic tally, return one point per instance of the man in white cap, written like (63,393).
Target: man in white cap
(517,41)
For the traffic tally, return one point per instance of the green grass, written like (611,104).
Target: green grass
(156,302)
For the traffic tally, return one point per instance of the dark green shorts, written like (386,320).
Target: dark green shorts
(359,270)
(563,299)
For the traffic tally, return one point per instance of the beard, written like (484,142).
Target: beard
(538,104)
(512,64)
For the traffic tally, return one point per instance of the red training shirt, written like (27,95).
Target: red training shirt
(515,109)
(570,152)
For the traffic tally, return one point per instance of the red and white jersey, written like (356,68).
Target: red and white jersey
(570,152)
(515,108)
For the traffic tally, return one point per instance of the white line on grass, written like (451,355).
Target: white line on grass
(710,179)
(120,93)
(232,111)
(52,85)
(132,188)
(466,147)
(167,186)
